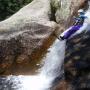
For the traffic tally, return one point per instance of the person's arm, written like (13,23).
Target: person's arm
(76,18)
(79,18)
(83,16)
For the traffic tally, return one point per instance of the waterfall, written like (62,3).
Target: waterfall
(54,59)
(51,69)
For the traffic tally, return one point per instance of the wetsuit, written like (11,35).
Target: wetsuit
(79,20)
(78,24)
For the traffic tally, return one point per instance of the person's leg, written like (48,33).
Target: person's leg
(62,34)
(83,28)
(70,31)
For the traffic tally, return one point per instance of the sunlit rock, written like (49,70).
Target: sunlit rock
(25,36)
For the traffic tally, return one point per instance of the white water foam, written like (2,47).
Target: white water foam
(51,69)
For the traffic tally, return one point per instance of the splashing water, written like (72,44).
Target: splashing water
(38,82)
(51,69)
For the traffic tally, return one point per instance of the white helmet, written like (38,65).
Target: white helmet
(80,11)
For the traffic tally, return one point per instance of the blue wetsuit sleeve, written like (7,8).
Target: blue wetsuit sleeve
(83,16)
(80,17)
(76,18)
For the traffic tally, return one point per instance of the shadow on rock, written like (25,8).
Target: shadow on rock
(77,61)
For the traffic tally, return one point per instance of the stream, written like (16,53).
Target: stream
(52,68)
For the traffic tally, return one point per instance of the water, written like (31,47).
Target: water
(54,59)
(50,70)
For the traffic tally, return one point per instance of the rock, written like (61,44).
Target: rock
(24,37)
(67,9)
(63,85)
(77,71)
(77,63)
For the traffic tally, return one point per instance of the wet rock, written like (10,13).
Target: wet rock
(77,72)
(63,85)
(77,63)
(24,37)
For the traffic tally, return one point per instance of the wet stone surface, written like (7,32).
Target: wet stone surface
(77,61)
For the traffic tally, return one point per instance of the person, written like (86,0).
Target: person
(78,24)
(80,18)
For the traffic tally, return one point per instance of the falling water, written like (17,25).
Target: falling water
(51,69)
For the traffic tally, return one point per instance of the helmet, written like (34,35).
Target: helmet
(81,11)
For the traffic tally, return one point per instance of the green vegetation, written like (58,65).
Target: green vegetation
(9,7)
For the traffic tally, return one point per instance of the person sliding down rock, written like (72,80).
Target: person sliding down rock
(78,24)
(80,19)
